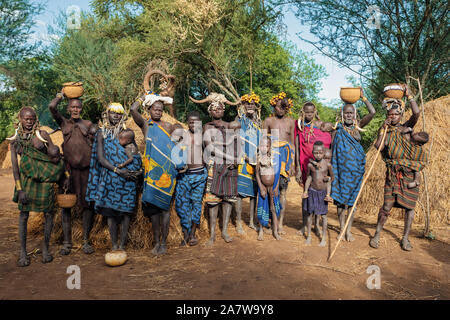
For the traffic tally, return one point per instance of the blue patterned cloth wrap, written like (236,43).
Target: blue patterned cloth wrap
(189,196)
(159,168)
(250,136)
(106,188)
(348,163)
(282,158)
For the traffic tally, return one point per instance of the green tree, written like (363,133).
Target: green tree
(410,40)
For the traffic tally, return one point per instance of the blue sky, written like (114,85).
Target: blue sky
(330,85)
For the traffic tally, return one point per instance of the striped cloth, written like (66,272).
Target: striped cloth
(38,176)
(402,159)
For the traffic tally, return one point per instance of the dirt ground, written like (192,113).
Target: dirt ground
(243,269)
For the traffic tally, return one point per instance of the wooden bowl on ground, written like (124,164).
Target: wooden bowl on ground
(73,90)
(116,258)
(394,90)
(66,200)
(350,95)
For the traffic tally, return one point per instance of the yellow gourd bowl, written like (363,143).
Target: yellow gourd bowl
(350,95)
(73,90)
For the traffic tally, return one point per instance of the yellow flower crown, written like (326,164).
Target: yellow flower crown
(280,96)
(115,107)
(250,98)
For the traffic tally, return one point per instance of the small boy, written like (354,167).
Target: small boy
(327,156)
(126,140)
(316,190)
(265,177)
(417,139)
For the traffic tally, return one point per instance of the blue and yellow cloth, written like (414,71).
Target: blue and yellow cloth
(159,168)
(348,163)
(250,135)
(282,159)
(105,187)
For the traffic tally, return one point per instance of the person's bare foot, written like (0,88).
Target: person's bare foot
(24,261)
(162,249)
(226,237)
(239,229)
(323,243)
(47,257)
(339,235)
(349,237)
(374,242)
(210,242)
(87,248)
(65,250)
(406,245)
(276,235)
(328,199)
(281,230)
(308,240)
(252,226)
(193,241)
(155,249)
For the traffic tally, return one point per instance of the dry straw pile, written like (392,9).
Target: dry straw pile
(437,119)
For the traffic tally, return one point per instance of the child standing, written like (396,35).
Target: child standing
(316,190)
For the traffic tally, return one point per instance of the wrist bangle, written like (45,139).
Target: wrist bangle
(67,174)
(140,100)
(364,99)
(60,95)
(115,169)
(18,185)
(410,97)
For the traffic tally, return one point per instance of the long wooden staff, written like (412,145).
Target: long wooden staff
(359,193)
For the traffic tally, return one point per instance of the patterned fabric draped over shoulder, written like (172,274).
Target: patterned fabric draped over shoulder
(159,168)
(402,158)
(38,176)
(306,140)
(348,163)
(106,188)
(250,135)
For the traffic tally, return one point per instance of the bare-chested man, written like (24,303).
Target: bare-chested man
(281,128)
(191,181)
(222,169)
(77,148)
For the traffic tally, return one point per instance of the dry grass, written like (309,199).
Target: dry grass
(437,115)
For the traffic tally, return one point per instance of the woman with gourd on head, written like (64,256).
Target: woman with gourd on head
(113,190)
(348,159)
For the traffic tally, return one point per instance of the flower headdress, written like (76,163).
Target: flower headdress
(251,97)
(281,96)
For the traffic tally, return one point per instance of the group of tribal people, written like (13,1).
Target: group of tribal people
(219,163)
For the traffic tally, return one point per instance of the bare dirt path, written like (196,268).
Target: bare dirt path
(243,269)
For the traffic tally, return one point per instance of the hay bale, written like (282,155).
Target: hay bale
(437,116)
(140,235)
(4,147)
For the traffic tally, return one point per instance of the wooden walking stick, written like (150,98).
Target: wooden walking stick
(359,193)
